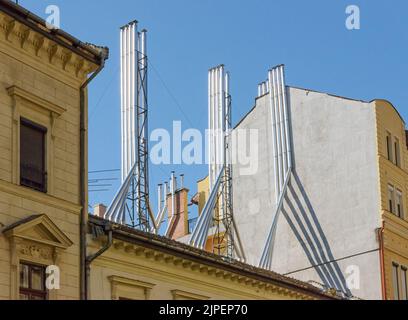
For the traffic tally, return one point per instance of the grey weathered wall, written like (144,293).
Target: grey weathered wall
(332,208)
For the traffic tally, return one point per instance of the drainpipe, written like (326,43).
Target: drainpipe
(380,233)
(83,177)
(92,257)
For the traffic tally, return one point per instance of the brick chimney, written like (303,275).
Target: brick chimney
(99,210)
(179,221)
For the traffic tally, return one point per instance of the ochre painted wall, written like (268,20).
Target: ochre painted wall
(141,273)
(46,79)
(395,228)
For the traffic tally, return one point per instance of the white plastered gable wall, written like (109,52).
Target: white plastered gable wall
(332,207)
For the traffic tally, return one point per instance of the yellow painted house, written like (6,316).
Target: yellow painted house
(135,265)
(43,154)
(393,184)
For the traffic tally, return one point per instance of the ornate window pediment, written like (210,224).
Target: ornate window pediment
(35,239)
(40,229)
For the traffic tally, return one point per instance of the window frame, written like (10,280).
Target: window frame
(389,146)
(391,198)
(404,283)
(399,204)
(43,130)
(395,280)
(30,292)
(397,153)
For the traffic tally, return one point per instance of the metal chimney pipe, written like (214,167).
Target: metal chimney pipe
(227,102)
(133,66)
(165,191)
(159,197)
(173,193)
(143,59)
(181,181)
(274,134)
(212,129)
(128,99)
(122,112)
(286,116)
(209,144)
(222,115)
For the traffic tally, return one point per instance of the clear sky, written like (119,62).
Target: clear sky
(187,37)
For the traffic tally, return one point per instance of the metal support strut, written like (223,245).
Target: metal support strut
(282,151)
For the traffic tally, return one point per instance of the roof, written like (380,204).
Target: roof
(321,92)
(173,247)
(93,53)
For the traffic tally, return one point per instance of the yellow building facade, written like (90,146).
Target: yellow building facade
(42,151)
(393,184)
(135,265)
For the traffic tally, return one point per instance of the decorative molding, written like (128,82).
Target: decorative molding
(42,198)
(25,37)
(125,288)
(184,295)
(9,27)
(17,92)
(163,258)
(38,43)
(35,251)
(55,237)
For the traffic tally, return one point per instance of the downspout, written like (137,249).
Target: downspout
(380,232)
(92,257)
(83,177)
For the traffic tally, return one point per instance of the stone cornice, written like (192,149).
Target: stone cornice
(212,271)
(42,48)
(167,251)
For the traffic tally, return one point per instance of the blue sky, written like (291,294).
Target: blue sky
(187,37)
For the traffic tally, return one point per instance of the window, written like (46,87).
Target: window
(32,156)
(32,282)
(399,205)
(395,280)
(389,146)
(391,206)
(397,152)
(404,283)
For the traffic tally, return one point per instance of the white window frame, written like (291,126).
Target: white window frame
(391,198)
(399,204)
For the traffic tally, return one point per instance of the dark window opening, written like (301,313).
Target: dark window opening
(32,156)
(397,153)
(389,147)
(32,282)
